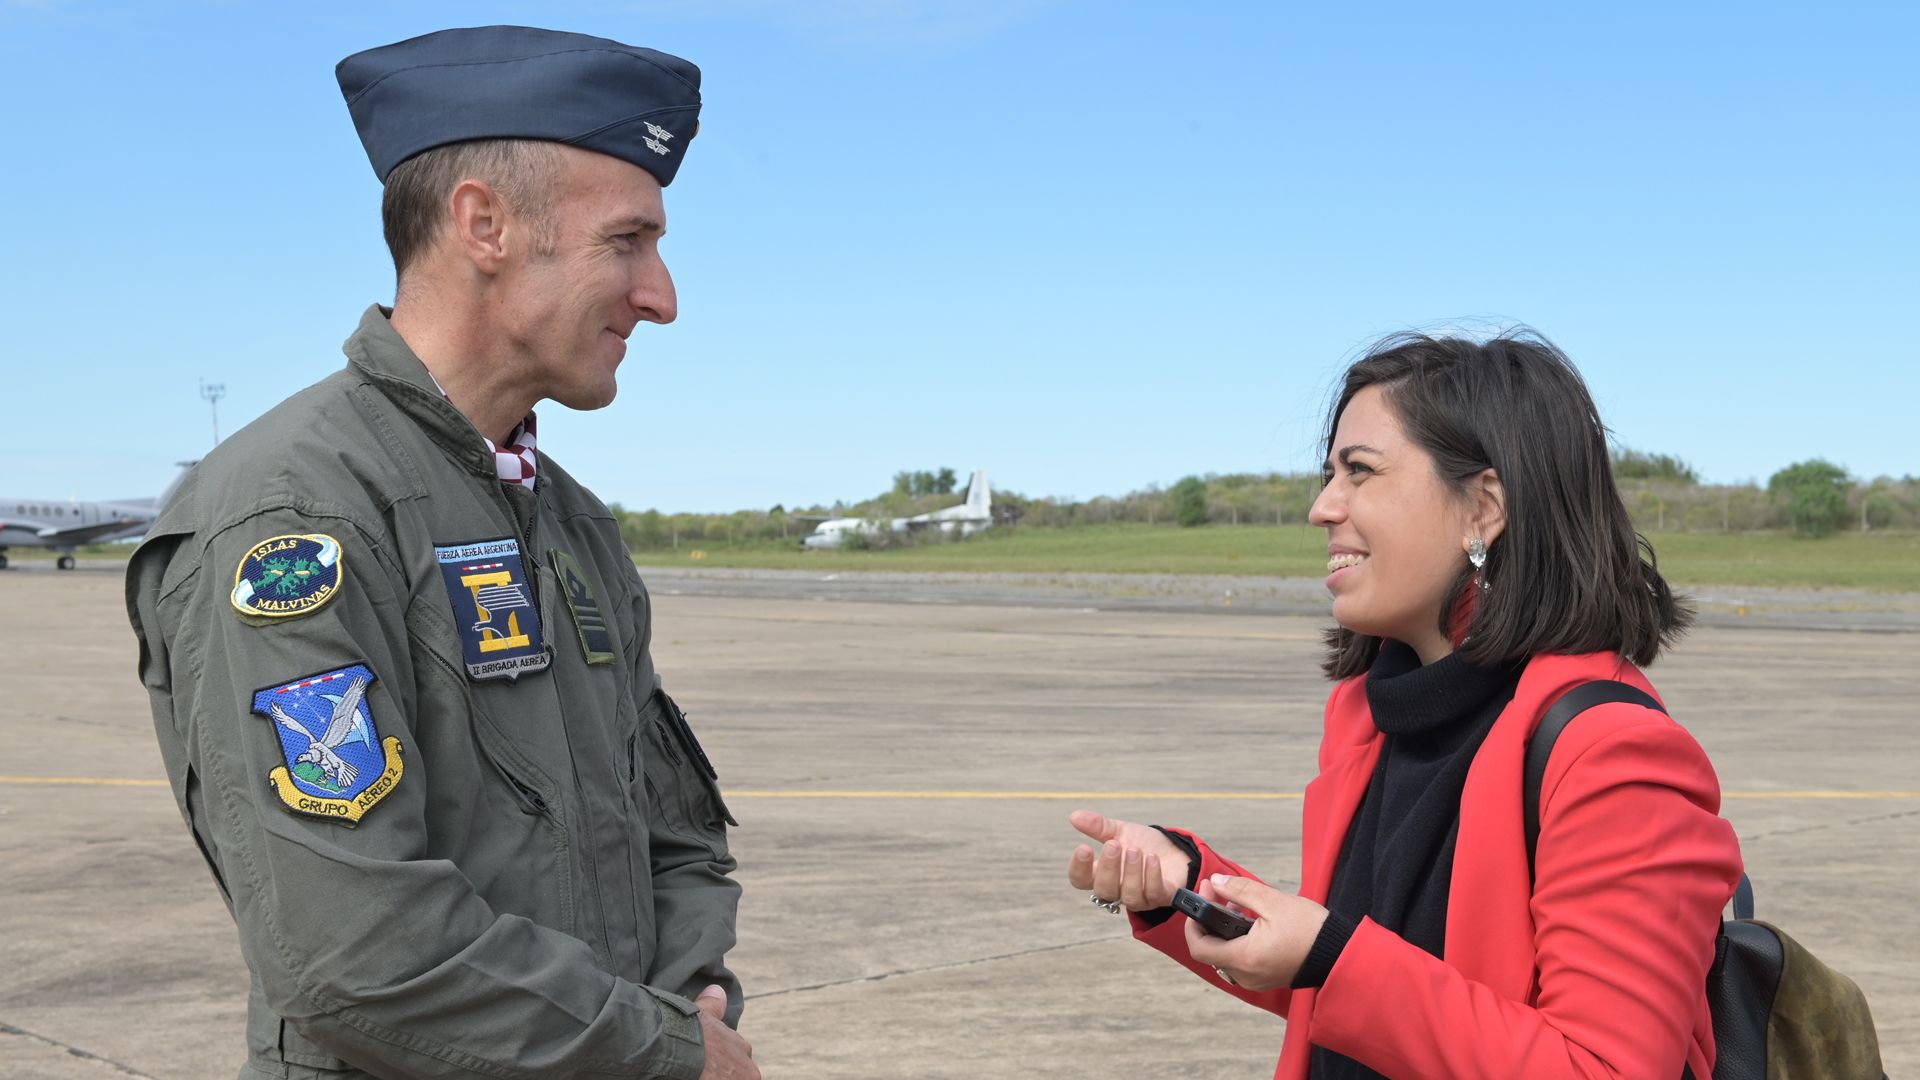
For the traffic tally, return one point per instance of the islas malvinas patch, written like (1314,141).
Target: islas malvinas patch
(287,576)
(336,764)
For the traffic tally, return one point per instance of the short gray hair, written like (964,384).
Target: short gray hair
(524,172)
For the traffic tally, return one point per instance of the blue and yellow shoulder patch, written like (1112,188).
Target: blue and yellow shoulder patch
(336,764)
(494,607)
(288,576)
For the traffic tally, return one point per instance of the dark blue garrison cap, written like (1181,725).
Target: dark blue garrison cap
(492,82)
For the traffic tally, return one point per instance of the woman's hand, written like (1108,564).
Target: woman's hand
(1136,865)
(1270,954)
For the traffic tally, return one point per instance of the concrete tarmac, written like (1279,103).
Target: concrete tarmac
(889,937)
(1743,607)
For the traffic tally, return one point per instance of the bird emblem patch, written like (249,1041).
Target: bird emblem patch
(288,576)
(494,606)
(336,764)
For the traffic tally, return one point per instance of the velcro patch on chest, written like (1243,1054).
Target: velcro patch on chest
(495,607)
(588,617)
(287,576)
(336,765)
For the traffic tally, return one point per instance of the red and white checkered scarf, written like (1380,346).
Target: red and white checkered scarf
(515,464)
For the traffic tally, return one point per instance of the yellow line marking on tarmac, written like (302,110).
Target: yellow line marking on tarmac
(1265,795)
(1013,794)
(1820,794)
(1220,794)
(80,780)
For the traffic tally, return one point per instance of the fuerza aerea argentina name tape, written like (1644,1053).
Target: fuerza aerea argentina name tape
(475,551)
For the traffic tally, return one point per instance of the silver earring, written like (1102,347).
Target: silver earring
(1477,555)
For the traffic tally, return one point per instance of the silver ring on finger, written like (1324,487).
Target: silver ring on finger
(1112,906)
(1224,977)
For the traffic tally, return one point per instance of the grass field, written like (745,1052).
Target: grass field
(1882,561)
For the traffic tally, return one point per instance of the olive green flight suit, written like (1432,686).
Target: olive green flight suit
(546,885)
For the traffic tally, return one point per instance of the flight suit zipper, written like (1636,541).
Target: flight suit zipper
(526,524)
(533,797)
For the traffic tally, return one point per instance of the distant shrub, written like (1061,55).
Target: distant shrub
(643,530)
(1634,465)
(1877,511)
(1189,501)
(926,482)
(1815,494)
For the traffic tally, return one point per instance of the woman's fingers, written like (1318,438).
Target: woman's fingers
(1210,950)
(1271,954)
(1117,872)
(1106,871)
(1259,900)
(1128,865)
(1098,827)
(1153,884)
(1133,867)
(1080,867)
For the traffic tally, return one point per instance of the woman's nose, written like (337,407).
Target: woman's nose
(1328,508)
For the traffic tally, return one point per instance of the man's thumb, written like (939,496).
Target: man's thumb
(713,1002)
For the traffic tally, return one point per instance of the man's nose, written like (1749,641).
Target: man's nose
(653,294)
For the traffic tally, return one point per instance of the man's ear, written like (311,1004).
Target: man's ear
(1489,500)
(480,225)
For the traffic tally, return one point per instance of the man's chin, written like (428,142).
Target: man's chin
(588,395)
(589,399)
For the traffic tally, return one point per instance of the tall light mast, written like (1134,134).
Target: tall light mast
(212,393)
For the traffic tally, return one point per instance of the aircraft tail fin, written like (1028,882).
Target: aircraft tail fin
(979,495)
(174,485)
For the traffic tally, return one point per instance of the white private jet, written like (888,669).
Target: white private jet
(966,519)
(64,526)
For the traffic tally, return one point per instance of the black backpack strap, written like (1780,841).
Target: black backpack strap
(1743,899)
(1559,715)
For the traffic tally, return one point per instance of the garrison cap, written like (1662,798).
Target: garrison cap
(518,82)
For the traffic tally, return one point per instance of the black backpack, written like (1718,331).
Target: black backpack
(1778,1013)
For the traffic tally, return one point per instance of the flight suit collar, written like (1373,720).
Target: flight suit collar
(377,351)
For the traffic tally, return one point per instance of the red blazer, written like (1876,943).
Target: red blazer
(1599,971)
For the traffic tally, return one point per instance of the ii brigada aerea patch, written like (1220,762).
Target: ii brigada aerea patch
(336,764)
(288,576)
(494,605)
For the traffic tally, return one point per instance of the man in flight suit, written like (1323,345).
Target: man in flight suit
(398,658)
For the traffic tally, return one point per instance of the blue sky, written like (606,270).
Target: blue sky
(1086,246)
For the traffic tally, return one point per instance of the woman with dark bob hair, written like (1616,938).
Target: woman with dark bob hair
(1481,565)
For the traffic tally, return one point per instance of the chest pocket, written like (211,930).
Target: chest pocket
(683,792)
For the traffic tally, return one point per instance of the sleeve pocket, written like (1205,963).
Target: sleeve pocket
(681,783)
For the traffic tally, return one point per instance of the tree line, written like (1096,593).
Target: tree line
(1812,498)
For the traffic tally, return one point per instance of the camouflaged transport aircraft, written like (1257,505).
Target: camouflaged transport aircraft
(966,519)
(65,525)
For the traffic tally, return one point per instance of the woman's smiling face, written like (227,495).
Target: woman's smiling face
(1396,533)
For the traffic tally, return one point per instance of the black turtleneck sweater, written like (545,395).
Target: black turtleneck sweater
(1396,864)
